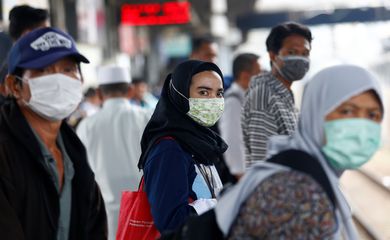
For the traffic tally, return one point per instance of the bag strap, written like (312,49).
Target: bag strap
(206,179)
(164,138)
(141,184)
(304,162)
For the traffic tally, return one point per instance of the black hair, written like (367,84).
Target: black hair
(90,92)
(136,81)
(280,32)
(198,41)
(243,62)
(24,17)
(114,88)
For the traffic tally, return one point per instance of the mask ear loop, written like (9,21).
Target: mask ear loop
(276,66)
(173,87)
(21,79)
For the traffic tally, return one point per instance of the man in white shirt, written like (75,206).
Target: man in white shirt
(112,139)
(245,66)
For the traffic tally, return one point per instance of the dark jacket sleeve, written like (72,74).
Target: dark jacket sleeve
(167,184)
(10,227)
(202,227)
(97,222)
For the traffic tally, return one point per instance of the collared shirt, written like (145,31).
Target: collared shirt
(268,110)
(230,129)
(65,194)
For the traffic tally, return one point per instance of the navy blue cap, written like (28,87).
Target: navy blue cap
(41,48)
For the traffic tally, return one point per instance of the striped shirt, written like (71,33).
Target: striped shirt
(268,110)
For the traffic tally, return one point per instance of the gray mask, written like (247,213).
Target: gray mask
(294,67)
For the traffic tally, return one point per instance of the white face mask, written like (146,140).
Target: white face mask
(54,96)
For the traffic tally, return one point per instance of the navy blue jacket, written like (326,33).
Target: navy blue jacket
(171,181)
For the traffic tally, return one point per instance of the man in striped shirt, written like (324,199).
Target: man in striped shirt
(269,107)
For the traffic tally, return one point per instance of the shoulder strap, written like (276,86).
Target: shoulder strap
(304,162)
(206,178)
(164,138)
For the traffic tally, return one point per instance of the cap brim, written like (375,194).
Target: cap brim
(47,60)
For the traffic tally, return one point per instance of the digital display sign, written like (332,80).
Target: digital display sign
(155,13)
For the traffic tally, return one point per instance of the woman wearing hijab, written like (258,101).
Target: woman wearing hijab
(299,198)
(178,148)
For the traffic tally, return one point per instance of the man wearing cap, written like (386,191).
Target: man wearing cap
(112,137)
(47,189)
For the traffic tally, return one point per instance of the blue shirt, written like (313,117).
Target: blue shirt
(64,194)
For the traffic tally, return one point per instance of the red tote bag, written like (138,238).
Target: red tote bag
(135,219)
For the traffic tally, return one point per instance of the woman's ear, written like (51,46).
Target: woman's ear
(12,86)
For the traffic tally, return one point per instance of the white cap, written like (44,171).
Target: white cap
(113,74)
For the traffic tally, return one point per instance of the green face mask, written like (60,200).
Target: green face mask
(206,111)
(351,142)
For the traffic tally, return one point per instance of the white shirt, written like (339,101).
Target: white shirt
(231,131)
(112,139)
(88,108)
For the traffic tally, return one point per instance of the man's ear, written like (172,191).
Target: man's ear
(99,94)
(13,86)
(272,56)
(130,91)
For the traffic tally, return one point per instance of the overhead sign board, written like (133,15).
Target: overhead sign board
(155,13)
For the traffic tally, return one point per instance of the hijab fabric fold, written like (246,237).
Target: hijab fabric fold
(170,119)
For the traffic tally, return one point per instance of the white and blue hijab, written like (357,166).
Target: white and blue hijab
(327,90)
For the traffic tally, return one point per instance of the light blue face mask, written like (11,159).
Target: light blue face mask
(351,142)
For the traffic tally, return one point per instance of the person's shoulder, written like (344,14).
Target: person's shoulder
(296,188)
(168,147)
(260,96)
(168,151)
(234,92)
(261,80)
(132,108)
(90,124)
(295,204)
(292,175)
(137,113)
(261,87)
(167,144)
(87,121)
